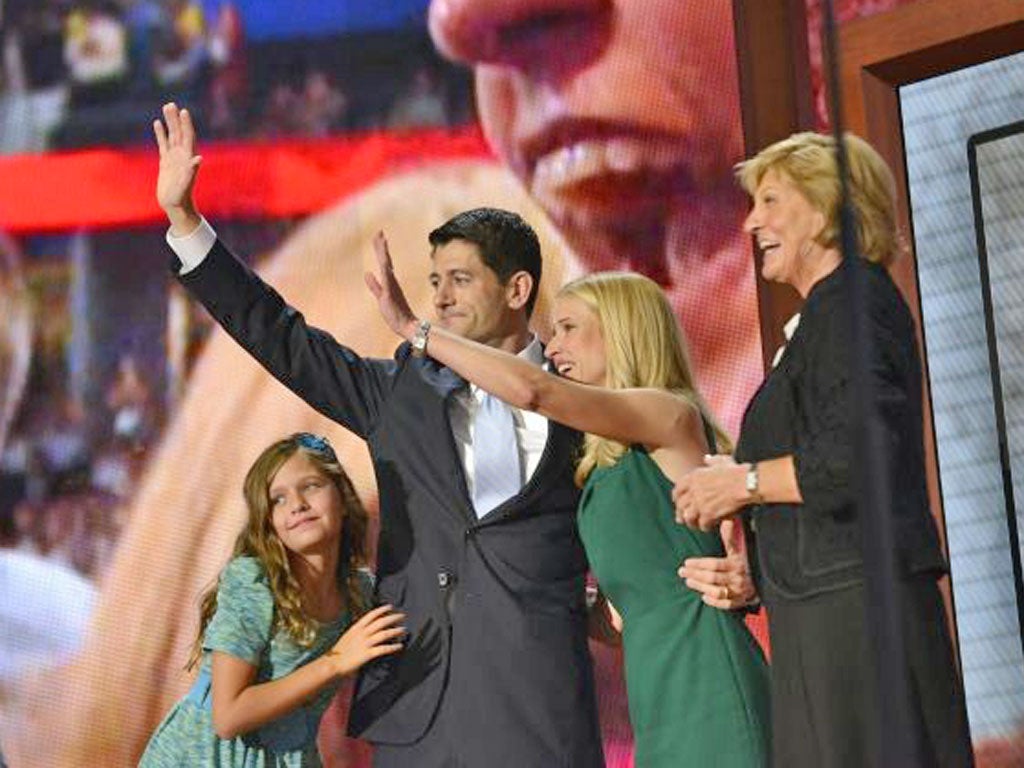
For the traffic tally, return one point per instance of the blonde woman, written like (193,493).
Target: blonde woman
(793,471)
(695,677)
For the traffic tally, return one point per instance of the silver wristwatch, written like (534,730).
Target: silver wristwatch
(753,484)
(419,338)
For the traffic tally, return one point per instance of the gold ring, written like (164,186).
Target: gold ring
(728,592)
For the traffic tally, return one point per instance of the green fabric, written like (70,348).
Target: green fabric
(242,627)
(696,678)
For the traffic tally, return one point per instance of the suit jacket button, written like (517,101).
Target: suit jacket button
(444,579)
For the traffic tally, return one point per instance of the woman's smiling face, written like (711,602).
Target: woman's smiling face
(785,224)
(577,348)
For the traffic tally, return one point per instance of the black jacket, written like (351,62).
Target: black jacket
(495,606)
(805,408)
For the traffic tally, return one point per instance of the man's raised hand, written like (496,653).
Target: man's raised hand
(391,301)
(176,140)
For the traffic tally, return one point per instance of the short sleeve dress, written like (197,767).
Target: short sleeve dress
(243,627)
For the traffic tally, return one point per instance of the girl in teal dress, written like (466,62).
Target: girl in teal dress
(286,622)
(696,679)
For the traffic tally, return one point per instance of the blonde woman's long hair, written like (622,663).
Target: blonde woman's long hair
(258,539)
(644,347)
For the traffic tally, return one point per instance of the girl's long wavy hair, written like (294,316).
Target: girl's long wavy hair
(644,347)
(258,539)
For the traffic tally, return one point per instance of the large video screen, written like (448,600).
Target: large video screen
(127,420)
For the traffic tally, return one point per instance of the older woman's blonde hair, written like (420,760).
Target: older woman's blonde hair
(644,347)
(809,161)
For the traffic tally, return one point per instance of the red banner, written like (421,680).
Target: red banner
(114,187)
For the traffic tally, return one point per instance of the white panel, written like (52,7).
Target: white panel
(939,116)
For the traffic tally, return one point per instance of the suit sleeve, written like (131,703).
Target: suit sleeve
(825,448)
(330,377)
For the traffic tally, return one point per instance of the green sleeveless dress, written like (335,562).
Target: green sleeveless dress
(696,679)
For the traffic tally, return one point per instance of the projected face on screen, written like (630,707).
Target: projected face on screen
(622,121)
(618,117)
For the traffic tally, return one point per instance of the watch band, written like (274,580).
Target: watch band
(419,338)
(753,484)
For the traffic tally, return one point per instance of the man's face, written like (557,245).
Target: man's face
(612,112)
(468,297)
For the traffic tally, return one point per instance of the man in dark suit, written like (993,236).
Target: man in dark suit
(483,558)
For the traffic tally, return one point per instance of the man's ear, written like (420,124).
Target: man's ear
(518,289)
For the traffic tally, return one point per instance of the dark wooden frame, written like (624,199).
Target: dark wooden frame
(776,100)
(880,54)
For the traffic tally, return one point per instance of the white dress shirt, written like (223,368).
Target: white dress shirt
(531,428)
(787,331)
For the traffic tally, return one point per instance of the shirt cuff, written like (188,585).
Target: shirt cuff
(192,248)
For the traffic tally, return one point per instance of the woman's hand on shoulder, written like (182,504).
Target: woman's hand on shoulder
(375,634)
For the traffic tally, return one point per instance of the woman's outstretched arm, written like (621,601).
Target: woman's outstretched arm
(651,417)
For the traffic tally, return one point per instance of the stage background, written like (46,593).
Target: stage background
(960,286)
(127,422)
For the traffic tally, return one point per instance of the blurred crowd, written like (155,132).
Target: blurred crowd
(77,73)
(65,479)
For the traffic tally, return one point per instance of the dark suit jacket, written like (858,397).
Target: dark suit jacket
(498,650)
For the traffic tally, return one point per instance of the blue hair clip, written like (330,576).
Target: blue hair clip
(316,443)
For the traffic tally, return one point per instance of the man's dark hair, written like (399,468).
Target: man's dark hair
(506,242)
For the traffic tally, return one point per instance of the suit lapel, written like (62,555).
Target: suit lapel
(445,385)
(556,461)
(559,451)
(444,381)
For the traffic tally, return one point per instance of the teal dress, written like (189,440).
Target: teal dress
(243,627)
(696,679)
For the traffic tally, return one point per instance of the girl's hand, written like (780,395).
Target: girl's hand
(372,636)
(391,301)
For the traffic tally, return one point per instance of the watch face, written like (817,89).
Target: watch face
(419,339)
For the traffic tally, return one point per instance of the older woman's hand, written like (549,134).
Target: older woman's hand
(706,496)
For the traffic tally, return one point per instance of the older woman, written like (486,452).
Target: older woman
(792,473)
